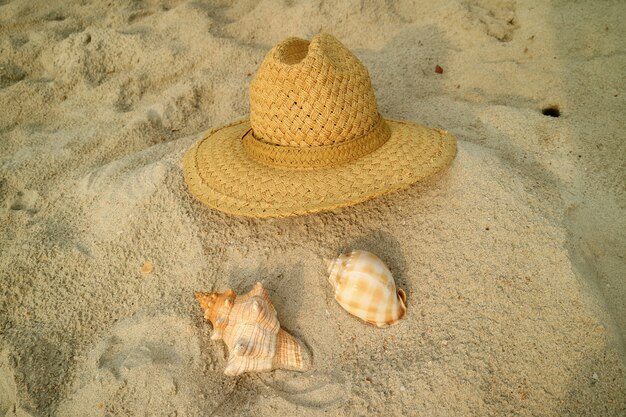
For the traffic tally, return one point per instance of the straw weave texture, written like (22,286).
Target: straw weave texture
(314,141)
(219,173)
(301,157)
(323,99)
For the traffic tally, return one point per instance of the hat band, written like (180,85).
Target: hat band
(316,156)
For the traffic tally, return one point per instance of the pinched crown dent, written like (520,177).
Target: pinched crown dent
(291,51)
(309,94)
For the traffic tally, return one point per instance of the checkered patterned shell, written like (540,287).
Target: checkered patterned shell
(365,288)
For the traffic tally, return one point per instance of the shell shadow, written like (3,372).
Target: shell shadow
(314,390)
(283,285)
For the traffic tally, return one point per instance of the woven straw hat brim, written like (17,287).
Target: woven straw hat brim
(220,174)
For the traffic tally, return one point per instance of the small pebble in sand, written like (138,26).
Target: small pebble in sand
(147,268)
(438,69)
(595,376)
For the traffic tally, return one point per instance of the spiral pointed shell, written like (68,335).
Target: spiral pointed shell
(365,288)
(250,329)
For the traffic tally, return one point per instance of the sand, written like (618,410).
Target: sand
(512,259)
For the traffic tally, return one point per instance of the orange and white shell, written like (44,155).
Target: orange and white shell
(365,288)
(250,329)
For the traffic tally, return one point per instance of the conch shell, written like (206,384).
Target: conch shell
(365,288)
(252,333)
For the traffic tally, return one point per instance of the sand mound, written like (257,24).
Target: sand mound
(512,259)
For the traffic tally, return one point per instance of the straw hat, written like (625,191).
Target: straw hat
(314,141)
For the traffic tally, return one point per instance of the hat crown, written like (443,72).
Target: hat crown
(311,94)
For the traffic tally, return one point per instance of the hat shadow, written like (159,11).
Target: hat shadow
(403,80)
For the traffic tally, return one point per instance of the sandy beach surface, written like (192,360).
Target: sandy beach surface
(513,259)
